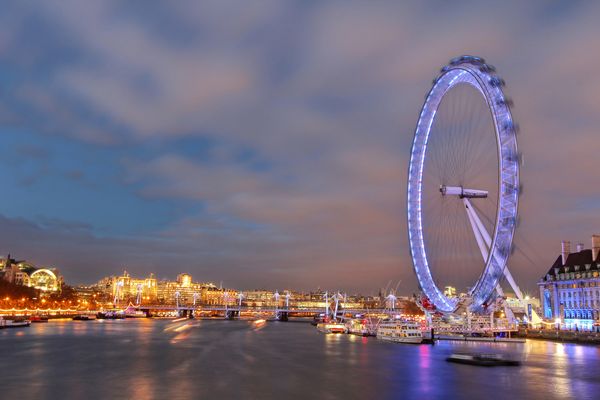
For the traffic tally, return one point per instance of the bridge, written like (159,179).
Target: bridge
(231,312)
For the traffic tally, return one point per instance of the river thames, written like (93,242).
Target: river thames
(161,359)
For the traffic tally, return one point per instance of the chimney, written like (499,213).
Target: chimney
(595,246)
(579,247)
(565,249)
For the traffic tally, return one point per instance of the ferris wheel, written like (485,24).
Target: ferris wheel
(463,187)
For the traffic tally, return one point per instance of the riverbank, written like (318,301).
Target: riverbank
(560,336)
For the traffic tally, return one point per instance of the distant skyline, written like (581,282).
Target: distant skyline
(266,145)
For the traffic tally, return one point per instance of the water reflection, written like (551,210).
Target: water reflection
(559,350)
(156,359)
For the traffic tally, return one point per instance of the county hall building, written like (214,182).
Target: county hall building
(570,290)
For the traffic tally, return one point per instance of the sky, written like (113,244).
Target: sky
(265,144)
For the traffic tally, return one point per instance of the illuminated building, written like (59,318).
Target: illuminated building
(300,300)
(25,274)
(450,291)
(570,290)
(259,298)
(126,288)
(520,305)
(149,290)
(45,280)
(184,280)
(212,295)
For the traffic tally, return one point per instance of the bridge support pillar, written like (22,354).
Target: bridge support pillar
(282,316)
(231,314)
(185,313)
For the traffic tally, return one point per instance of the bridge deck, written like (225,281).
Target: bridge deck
(162,307)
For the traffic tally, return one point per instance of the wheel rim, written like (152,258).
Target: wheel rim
(474,72)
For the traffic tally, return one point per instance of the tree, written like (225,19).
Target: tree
(12,290)
(66,293)
(411,308)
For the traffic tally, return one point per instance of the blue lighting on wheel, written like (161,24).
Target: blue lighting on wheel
(490,86)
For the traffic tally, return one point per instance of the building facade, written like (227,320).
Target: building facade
(47,280)
(125,289)
(570,290)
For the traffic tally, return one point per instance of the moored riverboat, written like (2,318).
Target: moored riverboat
(318,319)
(331,327)
(400,332)
(110,315)
(82,317)
(14,323)
(135,314)
(360,327)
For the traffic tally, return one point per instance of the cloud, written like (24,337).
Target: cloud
(323,97)
(173,176)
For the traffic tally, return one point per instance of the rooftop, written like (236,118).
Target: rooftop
(576,262)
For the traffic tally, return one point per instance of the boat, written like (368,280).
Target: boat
(483,360)
(135,314)
(109,315)
(38,318)
(14,323)
(82,317)
(132,312)
(400,332)
(360,327)
(331,327)
(318,319)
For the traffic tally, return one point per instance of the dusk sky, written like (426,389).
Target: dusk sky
(266,143)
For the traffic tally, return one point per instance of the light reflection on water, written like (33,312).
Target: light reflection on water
(158,359)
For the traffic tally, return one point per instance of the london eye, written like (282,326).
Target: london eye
(463,187)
